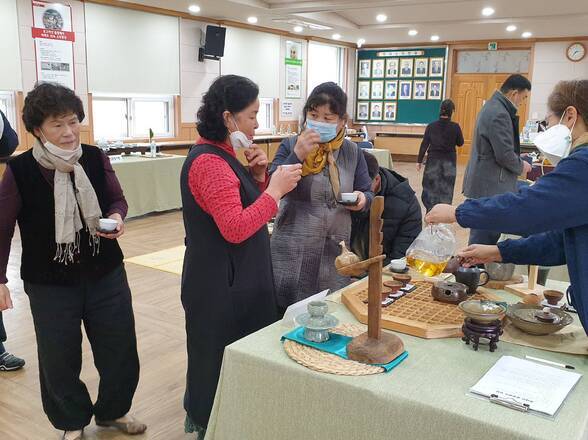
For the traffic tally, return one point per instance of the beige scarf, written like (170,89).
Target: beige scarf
(69,201)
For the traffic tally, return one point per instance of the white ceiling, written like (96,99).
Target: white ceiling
(452,20)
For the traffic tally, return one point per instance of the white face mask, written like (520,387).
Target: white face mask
(238,138)
(555,143)
(57,151)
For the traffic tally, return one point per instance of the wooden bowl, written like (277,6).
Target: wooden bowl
(385,292)
(553,296)
(403,278)
(532,299)
(394,286)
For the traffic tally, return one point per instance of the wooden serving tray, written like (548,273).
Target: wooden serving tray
(416,313)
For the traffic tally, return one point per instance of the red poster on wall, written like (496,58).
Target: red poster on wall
(54,36)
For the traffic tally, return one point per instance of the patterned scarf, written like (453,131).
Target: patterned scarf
(322,155)
(69,201)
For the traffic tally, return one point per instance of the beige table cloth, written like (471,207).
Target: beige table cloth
(149,184)
(264,395)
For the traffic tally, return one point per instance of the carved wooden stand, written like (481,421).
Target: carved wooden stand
(375,347)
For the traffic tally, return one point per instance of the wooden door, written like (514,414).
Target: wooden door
(469,93)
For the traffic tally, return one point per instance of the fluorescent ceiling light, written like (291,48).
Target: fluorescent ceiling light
(252,20)
(194,9)
(336,36)
(527,35)
(487,12)
(298,29)
(434,37)
(413,32)
(381,18)
(511,28)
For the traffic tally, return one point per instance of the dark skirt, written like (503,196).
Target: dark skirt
(438,182)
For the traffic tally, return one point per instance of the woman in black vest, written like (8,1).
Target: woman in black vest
(57,191)
(227,282)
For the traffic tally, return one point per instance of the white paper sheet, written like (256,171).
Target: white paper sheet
(543,388)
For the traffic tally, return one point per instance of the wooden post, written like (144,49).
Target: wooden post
(375,270)
(374,346)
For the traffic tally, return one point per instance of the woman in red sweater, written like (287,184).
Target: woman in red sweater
(227,281)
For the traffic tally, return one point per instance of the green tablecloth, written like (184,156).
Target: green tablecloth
(150,184)
(264,395)
(383,156)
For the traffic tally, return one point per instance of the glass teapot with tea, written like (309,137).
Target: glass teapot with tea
(431,250)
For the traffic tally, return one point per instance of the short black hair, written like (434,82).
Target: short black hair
(327,93)
(49,99)
(447,108)
(372,164)
(515,82)
(231,93)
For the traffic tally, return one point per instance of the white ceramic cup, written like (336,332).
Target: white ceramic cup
(108,224)
(349,197)
(399,264)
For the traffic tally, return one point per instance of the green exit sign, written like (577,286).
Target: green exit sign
(493,46)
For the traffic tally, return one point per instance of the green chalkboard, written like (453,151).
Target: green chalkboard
(400,86)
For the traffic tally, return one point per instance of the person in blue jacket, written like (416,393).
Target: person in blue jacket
(553,212)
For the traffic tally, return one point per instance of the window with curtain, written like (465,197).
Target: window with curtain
(325,63)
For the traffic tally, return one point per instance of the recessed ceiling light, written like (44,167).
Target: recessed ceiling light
(487,12)
(360,42)
(511,28)
(298,29)
(381,18)
(252,20)
(434,37)
(194,9)
(527,35)
(336,36)
(413,32)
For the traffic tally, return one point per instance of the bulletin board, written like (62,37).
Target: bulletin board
(400,86)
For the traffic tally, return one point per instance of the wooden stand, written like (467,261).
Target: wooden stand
(375,347)
(530,288)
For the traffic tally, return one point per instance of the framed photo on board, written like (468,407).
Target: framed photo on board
(391,91)
(365,68)
(406,67)
(389,111)
(435,89)
(392,68)
(405,89)
(363,90)
(377,89)
(436,67)
(362,110)
(420,89)
(421,67)
(376,111)
(378,69)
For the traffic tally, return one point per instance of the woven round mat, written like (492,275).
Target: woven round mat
(330,363)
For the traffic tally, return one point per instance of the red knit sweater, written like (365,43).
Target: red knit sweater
(215,188)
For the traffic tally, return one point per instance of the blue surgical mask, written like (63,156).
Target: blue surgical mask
(326,130)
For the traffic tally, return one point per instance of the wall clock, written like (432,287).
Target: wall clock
(576,52)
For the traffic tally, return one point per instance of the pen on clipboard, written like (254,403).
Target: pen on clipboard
(545,361)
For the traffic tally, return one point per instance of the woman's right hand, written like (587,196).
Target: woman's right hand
(284,180)
(419,166)
(306,142)
(5,300)
(480,254)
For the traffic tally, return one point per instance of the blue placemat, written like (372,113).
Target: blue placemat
(337,345)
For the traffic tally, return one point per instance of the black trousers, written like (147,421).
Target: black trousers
(105,308)
(2,334)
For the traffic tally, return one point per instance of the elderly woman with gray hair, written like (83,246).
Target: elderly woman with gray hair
(57,191)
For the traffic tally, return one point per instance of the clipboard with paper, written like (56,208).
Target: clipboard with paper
(526,386)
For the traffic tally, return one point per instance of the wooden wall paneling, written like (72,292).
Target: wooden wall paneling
(399,145)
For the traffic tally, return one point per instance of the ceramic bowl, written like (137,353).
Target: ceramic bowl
(107,224)
(349,197)
(500,271)
(532,299)
(553,296)
(523,317)
(482,312)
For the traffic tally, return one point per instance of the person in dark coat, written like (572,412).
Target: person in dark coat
(438,144)
(495,161)
(8,137)
(553,211)
(8,143)
(227,280)
(402,213)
